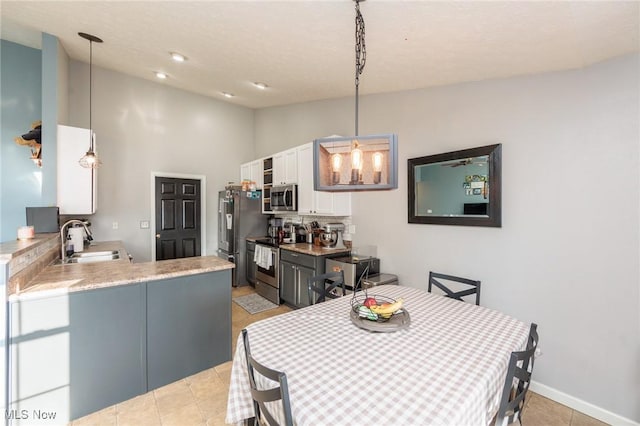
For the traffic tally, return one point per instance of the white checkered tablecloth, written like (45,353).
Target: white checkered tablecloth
(448,368)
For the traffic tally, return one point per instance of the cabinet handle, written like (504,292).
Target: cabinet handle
(294,255)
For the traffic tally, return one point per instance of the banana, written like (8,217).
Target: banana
(388,308)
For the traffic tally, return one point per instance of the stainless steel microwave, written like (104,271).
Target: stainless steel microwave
(284,198)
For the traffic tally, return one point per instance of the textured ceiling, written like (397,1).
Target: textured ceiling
(304,50)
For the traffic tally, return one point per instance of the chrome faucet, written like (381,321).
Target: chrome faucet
(63,238)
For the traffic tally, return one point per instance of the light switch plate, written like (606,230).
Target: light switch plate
(144,224)
(114,225)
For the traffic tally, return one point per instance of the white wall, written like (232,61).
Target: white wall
(567,255)
(143,126)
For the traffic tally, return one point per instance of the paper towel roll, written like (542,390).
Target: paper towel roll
(77,238)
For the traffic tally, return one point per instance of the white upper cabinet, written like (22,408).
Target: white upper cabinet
(257,173)
(76,187)
(305,179)
(285,167)
(245,172)
(320,203)
(252,171)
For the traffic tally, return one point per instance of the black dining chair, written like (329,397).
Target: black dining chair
(324,286)
(439,280)
(517,381)
(262,396)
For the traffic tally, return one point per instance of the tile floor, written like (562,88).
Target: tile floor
(201,399)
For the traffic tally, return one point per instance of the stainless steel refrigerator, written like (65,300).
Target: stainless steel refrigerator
(239,216)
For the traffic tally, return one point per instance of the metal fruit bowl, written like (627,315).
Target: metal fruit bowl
(358,301)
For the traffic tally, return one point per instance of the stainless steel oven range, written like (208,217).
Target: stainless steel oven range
(267,275)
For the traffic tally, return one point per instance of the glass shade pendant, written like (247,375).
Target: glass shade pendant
(90,159)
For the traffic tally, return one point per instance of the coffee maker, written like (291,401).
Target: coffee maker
(275,225)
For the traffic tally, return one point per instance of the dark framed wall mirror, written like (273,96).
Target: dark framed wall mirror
(457,188)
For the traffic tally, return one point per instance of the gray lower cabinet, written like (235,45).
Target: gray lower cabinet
(76,353)
(293,281)
(295,269)
(188,326)
(252,267)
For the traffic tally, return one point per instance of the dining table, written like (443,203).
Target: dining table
(447,367)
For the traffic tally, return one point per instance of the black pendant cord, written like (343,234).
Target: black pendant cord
(91,39)
(361,54)
(90,90)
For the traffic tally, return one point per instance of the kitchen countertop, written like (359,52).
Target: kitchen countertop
(65,278)
(306,248)
(14,248)
(312,249)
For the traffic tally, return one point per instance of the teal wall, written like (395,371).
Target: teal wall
(21,103)
(51,99)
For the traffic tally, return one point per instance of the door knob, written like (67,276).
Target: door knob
(158,236)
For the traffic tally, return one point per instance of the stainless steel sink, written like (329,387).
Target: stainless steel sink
(92,256)
(91,259)
(88,254)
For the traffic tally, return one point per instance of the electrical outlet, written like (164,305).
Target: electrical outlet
(352,229)
(144,224)
(115,225)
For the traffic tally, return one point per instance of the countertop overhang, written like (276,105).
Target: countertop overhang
(65,278)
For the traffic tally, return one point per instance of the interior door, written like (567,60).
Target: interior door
(178,221)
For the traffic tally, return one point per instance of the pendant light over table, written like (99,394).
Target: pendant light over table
(90,159)
(372,160)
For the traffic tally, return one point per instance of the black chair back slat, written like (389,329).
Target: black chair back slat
(321,287)
(261,396)
(517,381)
(435,279)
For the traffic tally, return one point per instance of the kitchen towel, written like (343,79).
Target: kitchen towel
(262,257)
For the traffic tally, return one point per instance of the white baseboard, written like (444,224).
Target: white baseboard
(582,406)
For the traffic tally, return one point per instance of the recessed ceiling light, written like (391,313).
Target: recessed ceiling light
(227,95)
(260,85)
(161,75)
(178,57)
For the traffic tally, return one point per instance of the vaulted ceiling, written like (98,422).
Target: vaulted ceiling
(305,50)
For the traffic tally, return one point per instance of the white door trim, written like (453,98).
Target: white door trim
(203,208)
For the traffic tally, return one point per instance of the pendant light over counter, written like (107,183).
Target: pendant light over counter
(372,160)
(90,159)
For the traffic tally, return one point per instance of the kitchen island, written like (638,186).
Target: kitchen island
(87,336)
